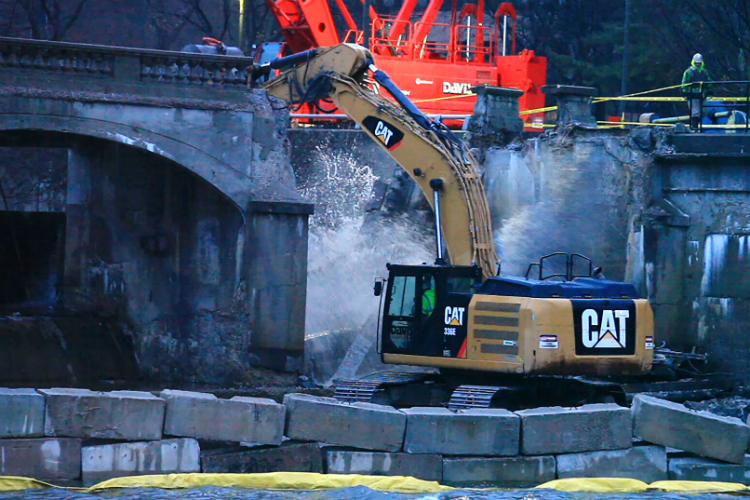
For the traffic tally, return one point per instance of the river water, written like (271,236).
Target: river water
(358,492)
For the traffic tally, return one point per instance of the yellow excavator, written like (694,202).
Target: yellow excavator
(458,315)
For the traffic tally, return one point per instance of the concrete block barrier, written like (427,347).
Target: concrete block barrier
(204,416)
(21,413)
(122,415)
(359,425)
(706,469)
(646,463)
(672,424)
(289,457)
(47,459)
(488,432)
(506,472)
(99,463)
(591,427)
(423,466)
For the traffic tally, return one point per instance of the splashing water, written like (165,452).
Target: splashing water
(348,249)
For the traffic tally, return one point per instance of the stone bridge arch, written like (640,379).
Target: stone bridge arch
(228,270)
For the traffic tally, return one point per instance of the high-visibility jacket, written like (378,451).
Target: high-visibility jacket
(428,301)
(695,75)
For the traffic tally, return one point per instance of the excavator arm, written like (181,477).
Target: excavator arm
(431,154)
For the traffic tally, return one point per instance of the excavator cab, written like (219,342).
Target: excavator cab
(417,305)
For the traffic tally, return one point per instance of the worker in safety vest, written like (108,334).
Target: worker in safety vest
(694,88)
(428,297)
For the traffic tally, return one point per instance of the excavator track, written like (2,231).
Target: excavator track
(472,396)
(365,389)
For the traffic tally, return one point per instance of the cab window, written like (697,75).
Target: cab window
(403,292)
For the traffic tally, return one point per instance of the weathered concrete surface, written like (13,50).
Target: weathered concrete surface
(646,463)
(21,413)
(41,458)
(241,419)
(705,469)
(289,457)
(571,430)
(671,424)
(181,218)
(423,466)
(490,432)
(123,415)
(510,472)
(99,463)
(360,425)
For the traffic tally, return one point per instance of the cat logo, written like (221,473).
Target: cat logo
(604,327)
(387,134)
(383,133)
(612,333)
(454,316)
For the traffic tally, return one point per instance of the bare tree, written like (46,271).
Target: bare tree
(40,19)
(212,18)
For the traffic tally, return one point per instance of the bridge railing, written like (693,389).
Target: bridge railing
(20,57)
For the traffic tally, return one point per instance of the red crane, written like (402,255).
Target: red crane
(435,63)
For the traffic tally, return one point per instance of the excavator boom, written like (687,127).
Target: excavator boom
(427,151)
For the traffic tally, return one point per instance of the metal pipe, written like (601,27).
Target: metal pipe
(437,186)
(505,31)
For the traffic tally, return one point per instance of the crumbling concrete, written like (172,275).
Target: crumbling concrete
(705,469)
(423,466)
(241,419)
(490,432)
(41,458)
(671,424)
(360,425)
(21,413)
(646,463)
(124,415)
(99,463)
(507,472)
(289,457)
(571,430)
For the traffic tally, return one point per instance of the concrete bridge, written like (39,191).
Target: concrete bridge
(149,222)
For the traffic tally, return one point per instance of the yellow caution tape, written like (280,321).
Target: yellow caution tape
(597,485)
(539,110)
(445,98)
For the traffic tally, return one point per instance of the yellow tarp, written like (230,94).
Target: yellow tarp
(277,481)
(402,484)
(597,485)
(13,483)
(697,486)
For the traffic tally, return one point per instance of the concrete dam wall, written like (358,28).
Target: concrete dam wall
(668,212)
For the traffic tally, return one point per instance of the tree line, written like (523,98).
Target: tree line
(582,39)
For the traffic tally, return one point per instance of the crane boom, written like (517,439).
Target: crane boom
(427,151)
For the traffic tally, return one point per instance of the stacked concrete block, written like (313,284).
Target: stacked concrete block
(48,459)
(99,463)
(591,427)
(646,463)
(121,415)
(672,424)
(492,432)
(423,466)
(289,457)
(506,472)
(359,425)
(241,419)
(706,469)
(21,413)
